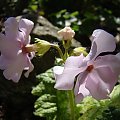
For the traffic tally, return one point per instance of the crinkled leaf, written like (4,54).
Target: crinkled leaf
(91,109)
(115,96)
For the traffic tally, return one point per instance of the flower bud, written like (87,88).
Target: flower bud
(67,33)
(79,50)
(42,46)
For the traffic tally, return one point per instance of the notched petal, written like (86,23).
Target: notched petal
(102,41)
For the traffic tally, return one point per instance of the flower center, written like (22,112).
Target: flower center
(28,48)
(24,50)
(90,68)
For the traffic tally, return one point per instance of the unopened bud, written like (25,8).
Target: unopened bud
(79,50)
(42,46)
(67,33)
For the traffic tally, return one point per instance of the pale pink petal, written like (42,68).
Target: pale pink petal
(94,34)
(57,70)
(65,81)
(102,42)
(80,89)
(9,48)
(107,76)
(30,68)
(2,39)
(14,70)
(31,55)
(75,61)
(118,55)
(83,92)
(112,61)
(12,32)
(21,37)
(3,62)
(80,80)
(26,26)
(92,54)
(11,28)
(78,98)
(100,82)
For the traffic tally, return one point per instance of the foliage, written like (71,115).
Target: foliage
(11,7)
(65,18)
(45,105)
(91,109)
(83,16)
(91,14)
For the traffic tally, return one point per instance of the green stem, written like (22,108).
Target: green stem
(72,104)
(66,54)
(59,51)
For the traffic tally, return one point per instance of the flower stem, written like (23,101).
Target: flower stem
(66,55)
(59,50)
(72,104)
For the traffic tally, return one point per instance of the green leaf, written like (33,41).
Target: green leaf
(45,105)
(115,96)
(34,7)
(91,109)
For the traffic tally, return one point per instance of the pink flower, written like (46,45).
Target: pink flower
(15,49)
(95,75)
(67,33)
